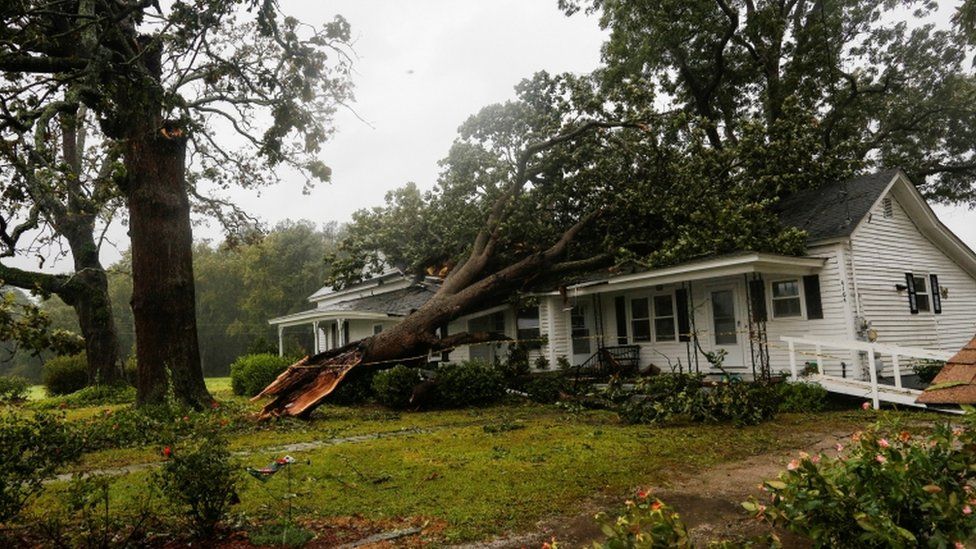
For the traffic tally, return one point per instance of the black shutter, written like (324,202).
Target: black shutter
(684,326)
(811,290)
(936,295)
(912,297)
(757,299)
(620,310)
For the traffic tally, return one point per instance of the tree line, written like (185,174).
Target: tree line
(240,286)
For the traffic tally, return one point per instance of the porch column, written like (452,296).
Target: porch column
(315,340)
(281,340)
(339,331)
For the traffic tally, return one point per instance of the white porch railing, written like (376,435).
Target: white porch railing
(872,350)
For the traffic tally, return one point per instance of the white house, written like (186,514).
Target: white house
(879,266)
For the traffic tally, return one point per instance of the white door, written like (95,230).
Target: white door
(726,324)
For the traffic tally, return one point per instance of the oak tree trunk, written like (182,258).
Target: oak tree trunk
(163,298)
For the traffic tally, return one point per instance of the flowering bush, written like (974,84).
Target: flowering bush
(888,489)
(646,523)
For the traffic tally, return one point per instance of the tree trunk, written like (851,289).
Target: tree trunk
(94,309)
(163,301)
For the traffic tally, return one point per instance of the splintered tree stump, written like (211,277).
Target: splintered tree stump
(306,383)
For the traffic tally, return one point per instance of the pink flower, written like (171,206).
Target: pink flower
(880,458)
(815,459)
(656,505)
(958,431)
(904,436)
(959,545)
(792,465)
(186,418)
(839,447)
(167,451)
(856,437)
(967,510)
(643,493)
(883,443)
(866,406)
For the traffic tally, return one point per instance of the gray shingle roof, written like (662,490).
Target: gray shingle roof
(395,303)
(834,210)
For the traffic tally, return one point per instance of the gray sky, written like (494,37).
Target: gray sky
(423,67)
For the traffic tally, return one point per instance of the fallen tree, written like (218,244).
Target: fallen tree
(534,192)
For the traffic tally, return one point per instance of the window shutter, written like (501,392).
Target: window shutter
(620,311)
(684,325)
(912,296)
(757,299)
(811,290)
(936,295)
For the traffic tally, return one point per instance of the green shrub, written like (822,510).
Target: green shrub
(201,480)
(662,398)
(355,389)
(516,364)
(471,383)
(394,387)
(13,388)
(130,370)
(64,375)
(801,397)
(926,370)
(250,374)
(888,489)
(547,389)
(97,395)
(32,449)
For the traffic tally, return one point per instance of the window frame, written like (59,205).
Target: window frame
(673,316)
(800,296)
(631,319)
(530,343)
(926,278)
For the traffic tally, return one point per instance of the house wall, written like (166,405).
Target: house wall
(883,250)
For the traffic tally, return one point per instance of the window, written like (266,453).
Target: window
(640,319)
(664,318)
(581,333)
(493,323)
(922,294)
(377,328)
(527,327)
(723,318)
(786,299)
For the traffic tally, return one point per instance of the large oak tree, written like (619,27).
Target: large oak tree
(205,91)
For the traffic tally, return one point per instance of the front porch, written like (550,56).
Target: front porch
(715,316)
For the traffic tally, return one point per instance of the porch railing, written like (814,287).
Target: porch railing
(873,350)
(609,361)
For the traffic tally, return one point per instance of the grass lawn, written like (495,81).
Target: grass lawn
(475,473)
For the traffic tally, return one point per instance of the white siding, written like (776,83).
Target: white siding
(884,249)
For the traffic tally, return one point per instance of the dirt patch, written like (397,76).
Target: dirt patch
(708,501)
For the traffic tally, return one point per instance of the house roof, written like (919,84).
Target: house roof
(956,382)
(373,306)
(834,210)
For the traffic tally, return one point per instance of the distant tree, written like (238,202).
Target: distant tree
(26,331)
(873,86)
(567,180)
(163,84)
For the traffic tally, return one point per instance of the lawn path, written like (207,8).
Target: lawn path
(283,449)
(709,501)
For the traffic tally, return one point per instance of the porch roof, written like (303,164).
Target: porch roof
(712,267)
(397,303)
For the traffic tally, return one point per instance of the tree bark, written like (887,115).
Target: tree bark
(163,298)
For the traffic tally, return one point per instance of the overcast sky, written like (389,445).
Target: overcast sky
(424,66)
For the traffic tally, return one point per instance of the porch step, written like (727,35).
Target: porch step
(886,393)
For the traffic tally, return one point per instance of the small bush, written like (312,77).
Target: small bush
(647,522)
(516,364)
(471,383)
(84,516)
(888,489)
(64,375)
(801,397)
(394,387)
(13,388)
(130,370)
(97,395)
(250,374)
(926,370)
(201,481)
(31,451)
